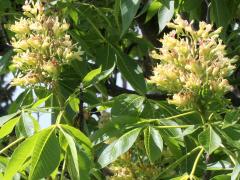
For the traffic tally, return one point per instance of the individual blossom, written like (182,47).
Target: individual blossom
(42,46)
(193,65)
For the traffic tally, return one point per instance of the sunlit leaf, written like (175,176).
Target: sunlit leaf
(118,147)
(46,154)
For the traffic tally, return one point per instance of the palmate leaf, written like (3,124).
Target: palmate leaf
(210,140)
(19,156)
(118,147)
(46,154)
(78,162)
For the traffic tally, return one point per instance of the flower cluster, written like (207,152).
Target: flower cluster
(42,46)
(193,64)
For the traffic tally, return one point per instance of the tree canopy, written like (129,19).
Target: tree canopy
(134,89)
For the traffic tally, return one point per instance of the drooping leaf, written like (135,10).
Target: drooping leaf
(84,164)
(72,156)
(210,140)
(128,11)
(46,154)
(118,147)
(19,156)
(153,143)
(165,14)
(78,161)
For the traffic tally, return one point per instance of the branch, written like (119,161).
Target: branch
(114,90)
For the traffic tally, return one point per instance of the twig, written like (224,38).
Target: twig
(11,144)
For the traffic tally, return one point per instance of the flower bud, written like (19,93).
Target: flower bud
(64,27)
(51,68)
(18,82)
(34,42)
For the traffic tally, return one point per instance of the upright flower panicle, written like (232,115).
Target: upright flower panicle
(42,46)
(193,65)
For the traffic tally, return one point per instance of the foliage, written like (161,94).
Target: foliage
(100,128)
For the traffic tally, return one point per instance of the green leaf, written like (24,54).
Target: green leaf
(129,104)
(26,125)
(41,101)
(8,127)
(236,172)
(132,72)
(74,15)
(157,138)
(46,154)
(25,98)
(105,57)
(19,156)
(74,103)
(114,128)
(152,10)
(90,76)
(221,177)
(231,118)
(6,118)
(217,15)
(210,140)
(153,143)
(84,164)
(100,76)
(129,9)
(5,59)
(77,134)
(165,14)
(118,147)
(78,162)
(72,156)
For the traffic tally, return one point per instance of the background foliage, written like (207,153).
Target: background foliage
(111,123)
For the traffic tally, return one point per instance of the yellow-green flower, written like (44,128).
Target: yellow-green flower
(42,46)
(193,64)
